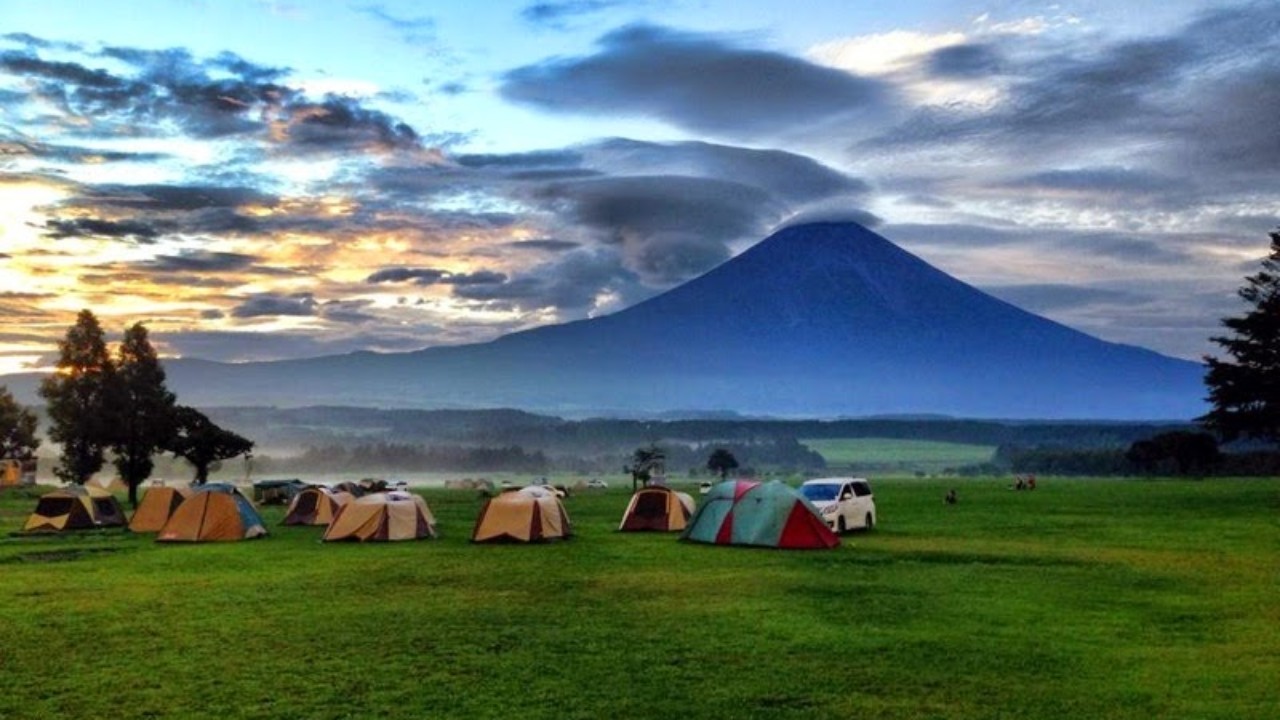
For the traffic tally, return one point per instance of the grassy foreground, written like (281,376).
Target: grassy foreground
(1097,599)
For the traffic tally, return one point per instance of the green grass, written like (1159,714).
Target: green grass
(884,455)
(1097,599)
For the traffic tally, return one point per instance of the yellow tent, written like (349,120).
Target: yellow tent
(75,508)
(17,472)
(157,506)
(383,517)
(530,514)
(316,506)
(657,508)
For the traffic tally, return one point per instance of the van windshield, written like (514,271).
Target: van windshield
(819,492)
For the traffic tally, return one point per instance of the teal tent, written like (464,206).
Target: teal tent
(772,514)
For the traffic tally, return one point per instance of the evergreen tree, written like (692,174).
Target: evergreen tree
(200,441)
(78,395)
(144,417)
(18,439)
(1245,391)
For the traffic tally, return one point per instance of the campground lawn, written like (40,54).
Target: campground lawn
(1083,598)
(896,456)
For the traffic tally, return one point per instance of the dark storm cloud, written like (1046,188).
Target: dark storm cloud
(698,82)
(533,160)
(971,60)
(98,228)
(273,305)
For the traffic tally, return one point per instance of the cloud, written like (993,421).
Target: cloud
(413,30)
(273,305)
(97,228)
(697,82)
(966,61)
(559,13)
(204,261)
(432,276)
(221,97)
(1051,297)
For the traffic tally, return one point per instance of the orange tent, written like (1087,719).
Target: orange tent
(157,506)
(213,512)
(530,514)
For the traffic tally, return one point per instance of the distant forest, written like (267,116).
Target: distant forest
(346,439)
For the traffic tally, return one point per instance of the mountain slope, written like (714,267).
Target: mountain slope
(817,320)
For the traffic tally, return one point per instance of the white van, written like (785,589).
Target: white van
(845,503)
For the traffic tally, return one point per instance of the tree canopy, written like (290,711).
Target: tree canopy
(17,428)
(79,399)
(645,463)
(721,461)
(144,407)
(1244,391)
(201,442)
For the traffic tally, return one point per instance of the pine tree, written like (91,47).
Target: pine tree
(78,395)
(1245,391)
(145,410)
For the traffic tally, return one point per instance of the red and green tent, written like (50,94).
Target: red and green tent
(772,514)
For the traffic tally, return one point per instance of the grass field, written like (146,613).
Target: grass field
(1089,599)
(883,455)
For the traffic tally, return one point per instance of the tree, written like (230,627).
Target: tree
(18,439)
(199,441)
(78,395)
(1175,453)
(722,461)
(645,463)
(1245,394)
(144,419)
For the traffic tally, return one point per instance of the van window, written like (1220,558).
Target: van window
(861,489)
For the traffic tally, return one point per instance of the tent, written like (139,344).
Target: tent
(111,484)
(529,514)
(382,517)
(157,506)
(772,514)
(316,506)
(15,472)
(75,507)
(213,512)
(657,508)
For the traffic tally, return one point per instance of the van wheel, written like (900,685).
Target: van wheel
(871,522)
(840,526)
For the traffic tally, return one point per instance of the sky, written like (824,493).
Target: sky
(266,179)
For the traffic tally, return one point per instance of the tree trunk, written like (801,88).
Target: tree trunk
(133,494)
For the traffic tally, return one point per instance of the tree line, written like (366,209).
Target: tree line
(101,403)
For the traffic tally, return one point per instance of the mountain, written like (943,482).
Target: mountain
(818,320)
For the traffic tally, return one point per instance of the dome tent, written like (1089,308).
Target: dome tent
(158,504)
(382,517)
(530,514)
(316,506)
(772,514)
(657,508)
(214,512)
(75,507)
